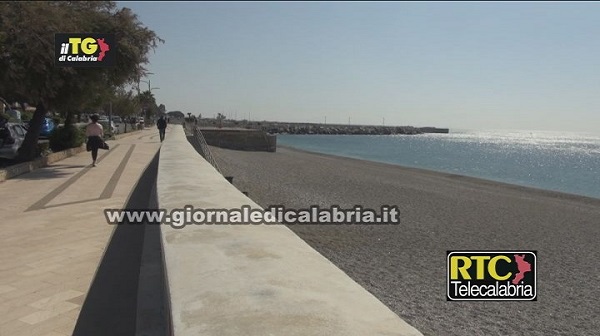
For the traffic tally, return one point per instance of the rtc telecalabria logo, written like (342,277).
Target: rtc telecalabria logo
(492,275)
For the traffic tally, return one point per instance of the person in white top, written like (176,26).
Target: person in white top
(95,134)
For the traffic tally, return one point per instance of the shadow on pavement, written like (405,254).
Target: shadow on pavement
(53,171)
(111,305)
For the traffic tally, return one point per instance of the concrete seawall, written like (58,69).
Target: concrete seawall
(251,279)
(240,139)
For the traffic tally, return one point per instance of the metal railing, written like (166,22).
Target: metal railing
(204,149)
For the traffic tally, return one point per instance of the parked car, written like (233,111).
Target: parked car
(15,116)
(117,120)
(11,138)
(47,127)
(112,129)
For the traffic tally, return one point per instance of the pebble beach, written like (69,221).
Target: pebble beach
(404,265)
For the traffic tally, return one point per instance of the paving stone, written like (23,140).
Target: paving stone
(54,234)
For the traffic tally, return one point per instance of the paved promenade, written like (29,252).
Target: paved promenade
(53,233)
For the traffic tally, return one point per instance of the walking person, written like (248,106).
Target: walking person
(95,135)
(161,124)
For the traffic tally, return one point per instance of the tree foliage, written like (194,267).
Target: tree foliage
(124,103)
(146,99)
(27,56)
(148,103)
(65,137)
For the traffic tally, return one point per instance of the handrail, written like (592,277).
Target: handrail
(206,153)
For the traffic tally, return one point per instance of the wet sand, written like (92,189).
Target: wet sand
(404,265)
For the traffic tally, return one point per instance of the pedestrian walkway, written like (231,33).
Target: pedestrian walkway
(53,233)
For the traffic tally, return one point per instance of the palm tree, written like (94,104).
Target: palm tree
(147,101)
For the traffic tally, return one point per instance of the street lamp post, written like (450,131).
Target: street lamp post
(148,82)
(146,111)
(150,88)
(148,73)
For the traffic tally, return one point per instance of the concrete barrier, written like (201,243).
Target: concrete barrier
(240,139)
(251,279)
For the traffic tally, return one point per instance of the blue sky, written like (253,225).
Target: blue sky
(463,65)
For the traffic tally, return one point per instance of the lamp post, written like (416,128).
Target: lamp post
(148,73)
(147,105)
(147,82)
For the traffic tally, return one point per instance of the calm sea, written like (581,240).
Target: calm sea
(548,160)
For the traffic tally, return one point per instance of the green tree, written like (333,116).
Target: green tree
(124,103)
(148,103)
(27,56)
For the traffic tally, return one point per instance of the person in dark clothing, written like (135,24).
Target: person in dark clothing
(161,124)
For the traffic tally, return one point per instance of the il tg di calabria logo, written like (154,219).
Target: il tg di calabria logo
(492,276)
(84,49)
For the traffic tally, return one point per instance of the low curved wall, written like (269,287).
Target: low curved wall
(27,167)
(251,279)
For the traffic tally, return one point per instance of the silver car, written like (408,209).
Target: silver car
(11,138)
(112,129)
